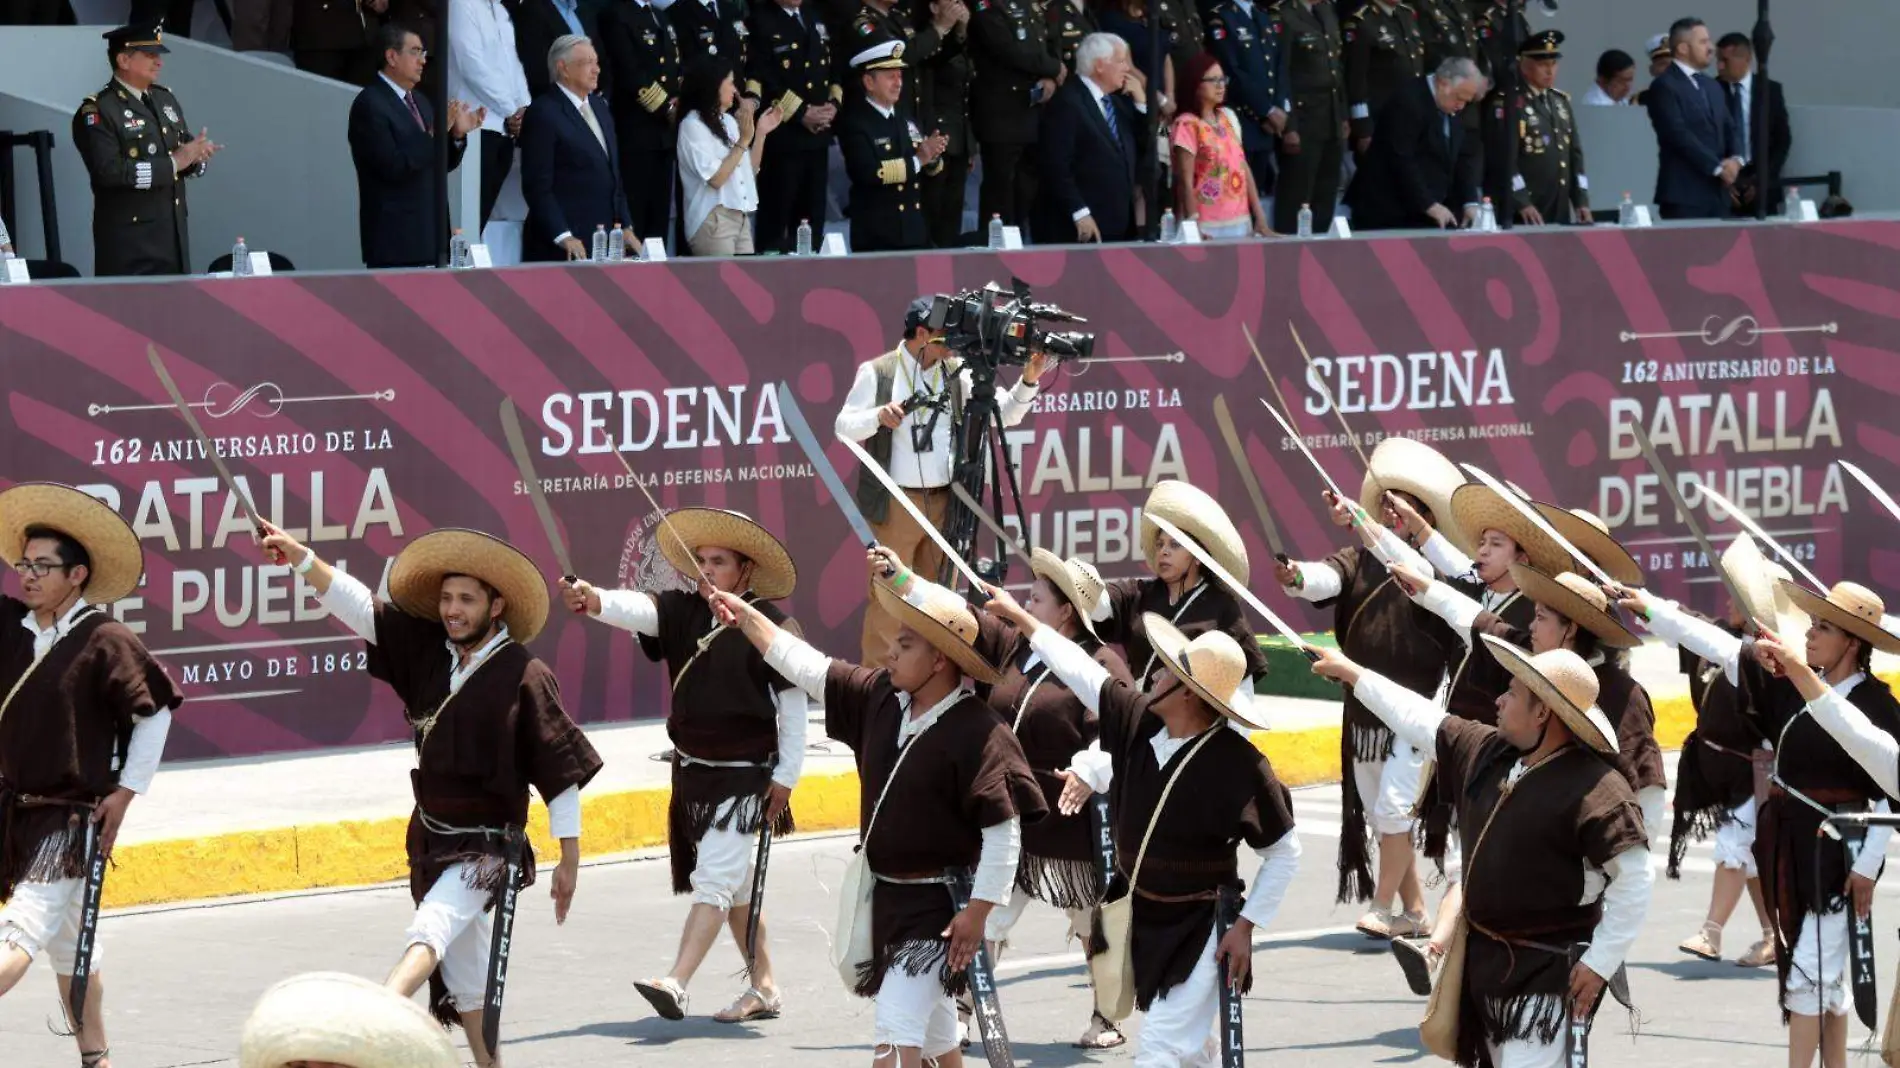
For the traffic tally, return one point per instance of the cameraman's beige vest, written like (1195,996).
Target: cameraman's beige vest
(873,499)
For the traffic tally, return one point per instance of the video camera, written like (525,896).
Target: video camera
(994,326)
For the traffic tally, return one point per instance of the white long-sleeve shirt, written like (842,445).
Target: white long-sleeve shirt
(484,68)
(931,468)
(147,744)
(354,606)
(631,610)
(1447,558)
(1319,581)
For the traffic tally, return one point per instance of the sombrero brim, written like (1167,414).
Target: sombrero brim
(1048,565)
(940,637)
(1819,607)
(1431,478)
(1169,643)
(118,561)
(1590,726)
(1477,508)
(1201,518)
(331,1018)
(1601,548)
(773,574)
(1747,568)
(415,580)
(1559,598)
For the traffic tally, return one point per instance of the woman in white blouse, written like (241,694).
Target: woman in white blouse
(719,159)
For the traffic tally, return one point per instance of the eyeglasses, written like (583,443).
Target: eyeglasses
(419,53)
(38,569)
(1222,80)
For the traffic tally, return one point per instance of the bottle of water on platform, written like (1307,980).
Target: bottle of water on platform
(1791,207)
(802,247)
(1306,220)
(240,259)
(1626,212)
(1170,229)
(616,243)
(996,233)
(458,250)
(600,243)
(1487,217)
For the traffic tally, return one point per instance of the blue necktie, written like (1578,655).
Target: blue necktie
(1108,112)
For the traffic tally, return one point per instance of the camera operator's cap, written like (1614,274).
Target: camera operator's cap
(918,314)
(1543,45)
(885,55)
(1659,46)
(141,37)
(1200,517)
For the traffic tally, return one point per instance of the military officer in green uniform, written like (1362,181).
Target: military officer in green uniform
(1315,137)
(1384,49)
(885,156)
(1014,71)
(139,152)
(1550,185)
(1069,21)
(1501,29)
(1447,31)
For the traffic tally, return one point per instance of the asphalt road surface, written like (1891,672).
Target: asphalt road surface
(181,980)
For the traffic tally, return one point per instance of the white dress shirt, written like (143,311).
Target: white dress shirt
(484,68)
(930,469)
(1595,97)
(700,154)
(147,744)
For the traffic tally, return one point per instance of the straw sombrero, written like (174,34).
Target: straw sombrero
(1571,596)
(1564,684)
(332,1018)
(1418,469)
(946,623)
(1075,578)
(1758,579)
(1212,665)
(773,574)
(1591,536)
(1850,606)
(1200,517)
(415,580)
(118,561)
(1476,508)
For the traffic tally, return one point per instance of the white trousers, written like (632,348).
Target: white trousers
(1528,1053)
(452,923)
(44,918)
(1388,788)
(1812,980)
(913,1011)
(1004,918)
(1178,1031)
(722,873)
(1735,839)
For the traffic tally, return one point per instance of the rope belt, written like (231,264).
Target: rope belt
(919,880)
(1828,802)
(436,826)
(1176,899)
(686,758)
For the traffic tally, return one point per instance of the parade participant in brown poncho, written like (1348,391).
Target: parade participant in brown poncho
(1725,758)
(1059,863)
(488,725)
(1555,850)
(943,788)
(1177,846)
(331,1020)
(1796,695)
(738,731)
(84,711)
(1376,624)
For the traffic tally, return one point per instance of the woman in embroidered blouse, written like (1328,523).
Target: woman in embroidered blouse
(719,160)
(1220,195)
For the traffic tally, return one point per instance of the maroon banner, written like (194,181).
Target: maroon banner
(360,411)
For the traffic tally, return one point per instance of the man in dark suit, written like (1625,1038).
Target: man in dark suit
(1735,67)
(538,24)
(570,161)
(1422,169)
(885,155)
(1095,142)
(642,72)
(393,147)
(1700,150)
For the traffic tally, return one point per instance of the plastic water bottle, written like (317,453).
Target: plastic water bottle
(1791,207)
(1487,217)
(1170,229)
(1306,220)
(617,243)
(1626,211)
(600,243)
(996,233)
(240,259)
(802,245)
(458,250)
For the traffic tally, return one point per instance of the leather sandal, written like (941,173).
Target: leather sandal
(1376,923)
(1101,1035)
(1705,944)
(1759,955)
(737,1012)
(94,1058)
(1419,960)
(665,995)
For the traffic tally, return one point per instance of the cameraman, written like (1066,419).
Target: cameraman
(915,446)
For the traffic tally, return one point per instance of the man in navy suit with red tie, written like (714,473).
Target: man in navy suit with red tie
(570,161)
(1096,142)
(393,146)
(1701,151)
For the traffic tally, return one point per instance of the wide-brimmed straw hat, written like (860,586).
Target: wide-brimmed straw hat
(1075,579)
(1476,508)
(1407,466)
(1200,517)
(1212,665)
(415,580)
(118,561)
(331,1018)
(1591,536)
(1850,606)
(1758,579)
(773,574)
(946,622)
(1564,684)
(1575,598)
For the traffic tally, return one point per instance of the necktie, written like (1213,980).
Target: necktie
(587,116)
(415,112)
(1736,117)
(798,18)
(1108,113)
